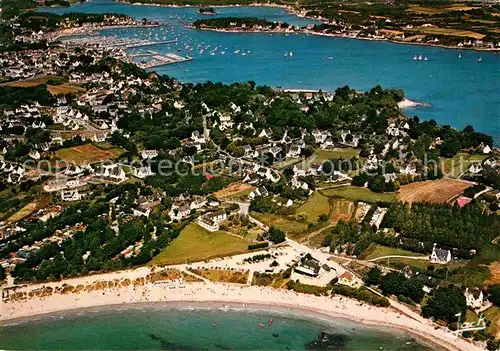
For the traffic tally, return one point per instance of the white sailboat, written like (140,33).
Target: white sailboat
(291,54)
(415,57)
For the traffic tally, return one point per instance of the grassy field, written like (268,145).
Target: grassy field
(493,314)
(223,275)
(435,191)
(375,251)
(196,244)
(321,155)
(286,225)
(315,206)
(86,154)
(455,166)
(359,194)
(400,263)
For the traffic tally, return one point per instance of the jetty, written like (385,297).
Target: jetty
(161,60)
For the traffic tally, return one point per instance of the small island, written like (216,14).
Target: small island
(207,11)
(241,24)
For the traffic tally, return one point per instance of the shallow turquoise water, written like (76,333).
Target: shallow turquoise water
(461,91)
(160,326)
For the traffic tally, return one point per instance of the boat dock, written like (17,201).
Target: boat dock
(161,60)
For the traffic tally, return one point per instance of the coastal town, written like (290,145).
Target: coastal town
(120,185)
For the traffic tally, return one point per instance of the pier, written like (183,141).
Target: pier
(161,60)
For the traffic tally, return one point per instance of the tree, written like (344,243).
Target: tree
(323,217)
(494,294)
(393,284)
(373,276)
(445,304)
(276,235)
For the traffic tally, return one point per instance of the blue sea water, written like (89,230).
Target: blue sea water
(460,91)
(167,327)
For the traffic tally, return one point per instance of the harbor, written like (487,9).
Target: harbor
(154,59)
(116,43)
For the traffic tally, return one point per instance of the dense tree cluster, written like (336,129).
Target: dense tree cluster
(445,303)
(449,226)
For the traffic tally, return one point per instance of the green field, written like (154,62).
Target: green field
(374,251)
(286,225)
(315,206)
(321,155)
(197,244)
(359,194)
(455,166)
(493,314)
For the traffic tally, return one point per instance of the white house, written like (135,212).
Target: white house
(440,256)
(475,168)
(475,299)
(142,172)
(71,195)
(210,221)
(146,154)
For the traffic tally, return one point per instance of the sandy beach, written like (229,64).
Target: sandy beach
(132,287)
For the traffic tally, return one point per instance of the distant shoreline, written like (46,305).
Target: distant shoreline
(291,10)
(335,35)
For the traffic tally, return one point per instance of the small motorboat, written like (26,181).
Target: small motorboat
(214,324)
(261,324)
(270,321)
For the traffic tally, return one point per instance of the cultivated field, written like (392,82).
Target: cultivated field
(341,209)
(64,89)
(449,31)
(32,82)
(435,191)
(195,243)
(494,273)
(435,10)
(25,211)
(234,190)
(85,154)
(359,194)
(53,89)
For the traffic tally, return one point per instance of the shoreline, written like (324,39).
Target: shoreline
(294,312)
(292,11)
(341,36)
(109,290)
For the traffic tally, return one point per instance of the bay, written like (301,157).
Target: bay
(460,91)
(170,326)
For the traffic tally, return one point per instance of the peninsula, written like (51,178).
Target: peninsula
(454,25)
